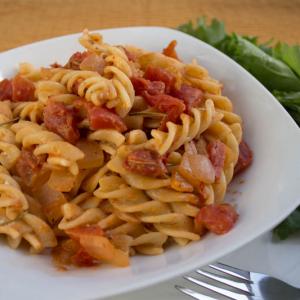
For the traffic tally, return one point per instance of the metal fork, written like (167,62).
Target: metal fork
(237,284)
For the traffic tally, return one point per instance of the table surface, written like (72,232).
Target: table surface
(26,21)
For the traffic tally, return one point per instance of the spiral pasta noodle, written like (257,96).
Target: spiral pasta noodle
(12,200)
(31,228)
(117,69)
(119,152)
(32,111)
(9,152)
(113,88)
(109,139)
(60,153)
(192,126)
(28,71)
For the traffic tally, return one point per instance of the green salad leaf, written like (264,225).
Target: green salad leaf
(276,67)
(289,54)
(212,34)
(271,72)
(289,226)
(291,102)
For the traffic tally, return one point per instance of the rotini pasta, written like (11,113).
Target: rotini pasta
(9,152)
(192,127)
(31,110)
(118,152)
(60,154)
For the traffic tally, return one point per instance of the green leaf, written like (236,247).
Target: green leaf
(289,54)
(211,34)
(187,28)
(288,98)
(291,102)
(271,72)
(266,47)
(289,226)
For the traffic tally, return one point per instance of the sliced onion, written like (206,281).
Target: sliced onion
(201,146)
(197,168)
(61,180)
(202,168)
(93,155)
(101,248)
(51,201)
(93,62)
(190,148)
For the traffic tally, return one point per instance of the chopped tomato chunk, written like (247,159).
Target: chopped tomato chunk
(99,117)
(5,90)
(28,166)
(159,74)
(218,218)
(17,89)
(170,50)
(192,97)
(145,162)
(152,87)
(61,120)
(245,158)
(173,107)
(22,89)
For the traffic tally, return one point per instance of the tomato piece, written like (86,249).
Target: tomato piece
(192,97)
(5,90)
(173,107)
(22,89)
(17,89)
(245,158)
(217,218)
(159,74)
(102,118)
(61,120)
(28,166)
(152,87)
(99,117)
(145,162)
(170,50)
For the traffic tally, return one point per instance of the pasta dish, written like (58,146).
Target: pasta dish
(120,151)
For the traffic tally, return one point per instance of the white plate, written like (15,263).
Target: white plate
(270,192)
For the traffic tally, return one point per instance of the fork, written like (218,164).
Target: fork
(239,284)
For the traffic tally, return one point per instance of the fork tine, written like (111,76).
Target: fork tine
(225,269)
(238,285)
(192,293)
(220,291)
